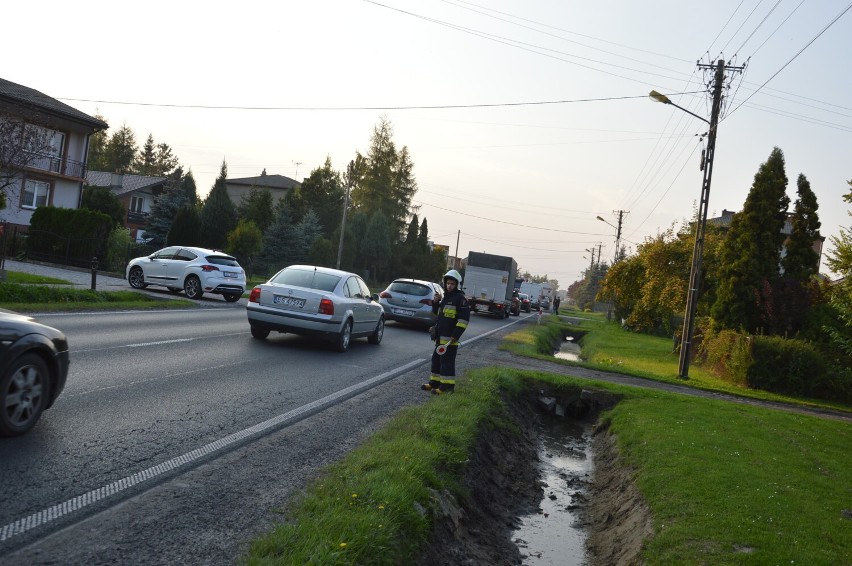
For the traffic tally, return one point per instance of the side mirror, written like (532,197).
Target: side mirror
(375,297)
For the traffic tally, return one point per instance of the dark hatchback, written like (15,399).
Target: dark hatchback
(33,369)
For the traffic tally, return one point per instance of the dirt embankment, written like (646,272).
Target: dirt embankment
(503,484)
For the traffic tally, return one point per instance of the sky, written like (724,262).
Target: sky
(525,121)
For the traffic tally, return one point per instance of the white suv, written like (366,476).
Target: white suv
(193,270)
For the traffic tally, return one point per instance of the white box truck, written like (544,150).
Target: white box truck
(489,284)
(535,291)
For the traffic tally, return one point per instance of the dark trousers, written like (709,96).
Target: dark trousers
(445,366)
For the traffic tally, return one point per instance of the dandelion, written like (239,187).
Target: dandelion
(354,496)
(342,545)
(381,506)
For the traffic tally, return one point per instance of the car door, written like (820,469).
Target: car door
(356,304)
(157,267)
(175,271)
(372,309)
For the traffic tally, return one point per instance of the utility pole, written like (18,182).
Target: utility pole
(599,255)
(297,163)
(621,214)
(350,180)
(458,236)
(701,224)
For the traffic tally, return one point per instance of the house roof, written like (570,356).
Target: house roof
(23,96)
(271,181)
(129,183)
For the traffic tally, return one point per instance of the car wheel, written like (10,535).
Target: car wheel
(136,278)
(344,338)
(175,290)
(259,333)
(376,336)
(192,287)
(232,297)
(23,394)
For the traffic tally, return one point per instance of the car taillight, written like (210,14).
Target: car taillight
(254,297)
(209,268)
(385,295)
(326,306)
(426,302)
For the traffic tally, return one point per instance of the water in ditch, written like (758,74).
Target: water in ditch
(555,533)
(568,350)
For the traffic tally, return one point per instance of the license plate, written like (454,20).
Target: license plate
(288,301)
(403,312)
(231,274)
(482,307)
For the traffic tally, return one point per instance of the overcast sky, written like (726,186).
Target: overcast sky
(551,124)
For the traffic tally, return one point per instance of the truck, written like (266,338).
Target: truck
(535,291)
(489,284)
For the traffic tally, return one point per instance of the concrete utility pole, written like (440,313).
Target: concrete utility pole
(621,214)
(350,180)
(701,224)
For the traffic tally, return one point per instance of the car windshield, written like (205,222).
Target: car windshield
(409,288)
(307,279)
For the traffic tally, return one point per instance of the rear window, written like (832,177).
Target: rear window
(307,279)
(222,260)
(410,288)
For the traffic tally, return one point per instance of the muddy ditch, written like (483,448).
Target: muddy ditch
(550,489)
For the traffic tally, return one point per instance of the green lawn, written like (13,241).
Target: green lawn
(35,296)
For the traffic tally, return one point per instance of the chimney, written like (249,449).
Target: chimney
(116,180)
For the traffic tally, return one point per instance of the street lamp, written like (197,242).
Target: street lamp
(698,249)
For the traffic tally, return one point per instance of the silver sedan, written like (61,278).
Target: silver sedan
(316,301)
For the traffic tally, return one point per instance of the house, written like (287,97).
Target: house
(43,148)
(278,185)
(724,222)
(135,192)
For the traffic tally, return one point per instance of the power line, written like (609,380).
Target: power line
(808,44)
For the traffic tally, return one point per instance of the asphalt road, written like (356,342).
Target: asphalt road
(178,435)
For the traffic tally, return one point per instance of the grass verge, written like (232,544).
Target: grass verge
(38,298)
(30,279)
(726,483)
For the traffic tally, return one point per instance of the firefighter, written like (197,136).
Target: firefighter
(453,317)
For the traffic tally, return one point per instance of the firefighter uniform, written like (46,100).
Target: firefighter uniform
(453,316)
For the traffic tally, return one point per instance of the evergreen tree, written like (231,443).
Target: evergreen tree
(120,151)
(423,235)
(187,185)
(102,199)
(376,245)
(96,160)
(218,215)
(751,253)
(801,261)
(185,230)
(273,255)
(304,234)
(257,206)
(413,231)
(163,213)
(323,192)
(244,242)
(155,159)
(322,253)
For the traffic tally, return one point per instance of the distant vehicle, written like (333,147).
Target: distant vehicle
(535,303)
(33,370)
(194,271)
(534,290)
(545,303)
(525,302)
(316,301)
(410,301)
(489,282)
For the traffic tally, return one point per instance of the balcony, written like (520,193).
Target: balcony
(64,167)
(136,217)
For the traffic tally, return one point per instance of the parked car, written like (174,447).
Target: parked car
(535,303)
(525,302)
(410,301)
(33,369)
(194,271)
(545,303)
(316,301)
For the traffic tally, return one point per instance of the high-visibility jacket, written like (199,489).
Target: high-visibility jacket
(453,315)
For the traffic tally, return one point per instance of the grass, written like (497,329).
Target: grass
(40,298)
(30,279)
(608,347)
(726,483)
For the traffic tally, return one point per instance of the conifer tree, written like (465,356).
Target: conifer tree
(186,227)
(751,252)
(801,261)
(102,199)
(218,215)
(163,213)
(120,151)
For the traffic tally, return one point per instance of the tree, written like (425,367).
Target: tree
(163,213)
(102,199)
(273,256)
(218,215)
(257,206)
(185,229)
(154,159)
(323,192)
(187,185)
(304,234)
(801,261)
(376,246)
(120,151)
(751,252)
(97,160)
(21,145)
(244,242)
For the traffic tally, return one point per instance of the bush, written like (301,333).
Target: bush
(794,367)
(728,353)
(116,250)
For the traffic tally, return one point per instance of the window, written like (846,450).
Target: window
(136,204)
(36,194)
(45,146)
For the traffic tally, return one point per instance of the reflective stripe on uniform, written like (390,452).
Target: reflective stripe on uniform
(448,380)
(449,311)
(461,323)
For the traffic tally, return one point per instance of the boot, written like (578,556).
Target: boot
(431,386)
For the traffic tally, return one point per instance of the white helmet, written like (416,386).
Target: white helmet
(453,274)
